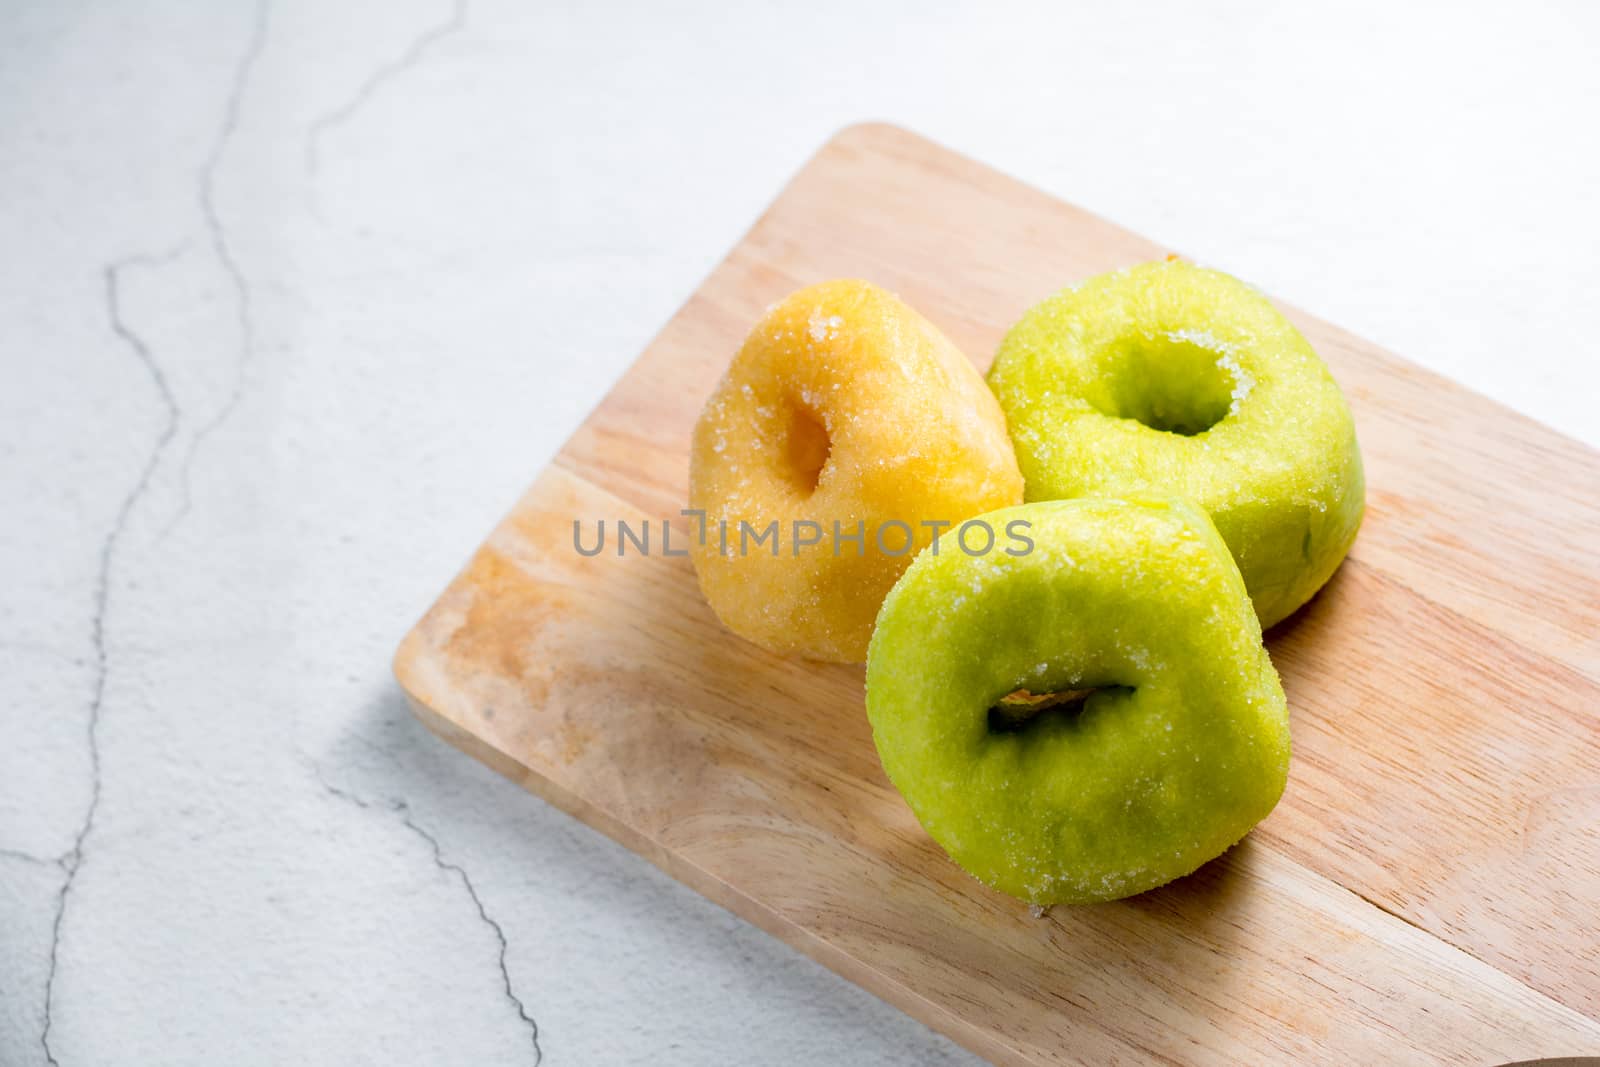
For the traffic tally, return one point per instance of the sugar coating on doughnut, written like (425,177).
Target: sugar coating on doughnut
(1172,378)
(843,406)
(1152,732)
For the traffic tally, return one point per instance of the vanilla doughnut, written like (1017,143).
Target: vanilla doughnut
(846,433)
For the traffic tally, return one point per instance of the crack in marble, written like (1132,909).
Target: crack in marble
(403,810)
(22,856)
(71,862)
(386,72)
(483,914)
(223,249)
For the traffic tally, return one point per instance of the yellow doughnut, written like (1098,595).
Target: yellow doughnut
(845,415)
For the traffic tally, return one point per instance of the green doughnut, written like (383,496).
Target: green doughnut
(1170,378)
(1181,747)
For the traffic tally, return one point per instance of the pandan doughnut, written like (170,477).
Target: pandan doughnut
(1086,720)
(852,424)
(1171,378)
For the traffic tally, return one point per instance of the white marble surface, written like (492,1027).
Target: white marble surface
(294,300)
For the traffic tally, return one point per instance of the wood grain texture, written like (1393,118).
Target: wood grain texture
(1428,889)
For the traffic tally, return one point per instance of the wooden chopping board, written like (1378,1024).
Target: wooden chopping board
(1428,890)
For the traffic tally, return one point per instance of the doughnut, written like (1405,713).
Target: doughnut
(852,431)
(1171,378)
(1086,720)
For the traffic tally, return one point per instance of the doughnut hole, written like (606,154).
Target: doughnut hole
(1021,710)
(806,448)
(1169,384)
